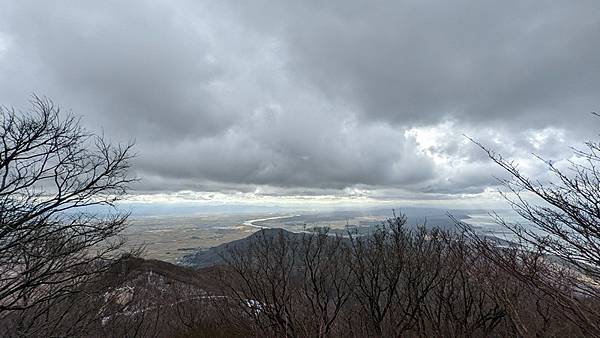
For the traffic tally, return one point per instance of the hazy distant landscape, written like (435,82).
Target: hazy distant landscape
(170,237)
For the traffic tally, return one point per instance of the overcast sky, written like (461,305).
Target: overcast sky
(314,100)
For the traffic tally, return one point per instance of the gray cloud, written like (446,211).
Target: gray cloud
(311,97)
(423,61)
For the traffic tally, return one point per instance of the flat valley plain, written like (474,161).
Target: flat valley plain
(170,237)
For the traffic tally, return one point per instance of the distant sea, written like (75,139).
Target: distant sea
(485,224)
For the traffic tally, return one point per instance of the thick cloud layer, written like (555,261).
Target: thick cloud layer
(310,98)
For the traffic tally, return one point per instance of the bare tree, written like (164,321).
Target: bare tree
(52,172)
(377,263)
(560,236)
(396,281)
(326,277)
(394,270)
(460,303)
(293,285)
(262,283)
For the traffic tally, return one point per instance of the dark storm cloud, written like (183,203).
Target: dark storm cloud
(313,97)
(422,61)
